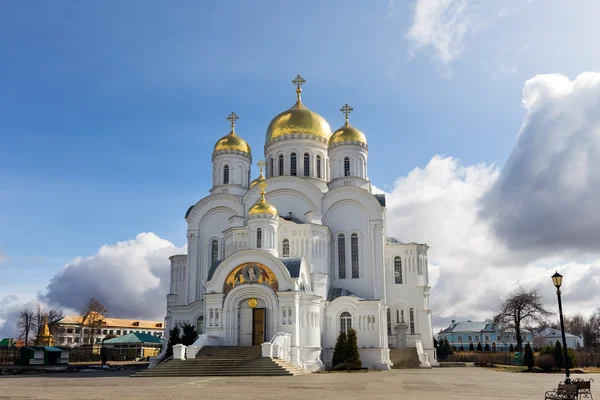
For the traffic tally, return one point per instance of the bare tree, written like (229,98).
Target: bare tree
(50,314)
(521,308)
(25,324)
(92,315)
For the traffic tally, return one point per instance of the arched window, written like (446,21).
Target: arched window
(398,316)
(286,248)
(200,326)
(342,256)
(345,322)
(402,316)
(412,321)
(214,250)
(354,254)
(306,164)
(259,238)
(389,322)
(319,167)
(293,164)
(398,270)
(271,167)
(280,164)
(346,166)
(226,174)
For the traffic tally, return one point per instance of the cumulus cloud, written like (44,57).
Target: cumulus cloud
(443,26)
(130,278)
(546,199)
(9,306)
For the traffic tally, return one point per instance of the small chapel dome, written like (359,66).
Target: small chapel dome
(298,120)
(261,177)
(347,134)
(232,142)
(261,206)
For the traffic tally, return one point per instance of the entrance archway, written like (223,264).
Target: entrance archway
(250,318)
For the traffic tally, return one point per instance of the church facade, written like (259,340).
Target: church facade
(301,250)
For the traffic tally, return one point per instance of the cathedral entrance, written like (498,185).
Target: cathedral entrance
(258,326)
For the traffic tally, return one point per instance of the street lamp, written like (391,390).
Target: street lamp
(557,280)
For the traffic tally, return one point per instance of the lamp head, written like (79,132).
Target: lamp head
(557,280)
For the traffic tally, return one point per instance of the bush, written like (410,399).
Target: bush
(479,347)
(471,347)
(352,355)
(511,348)
(174,338)
(528,358)
(339,350)
(559,355)
(545,362)
(189,335)
(487,347)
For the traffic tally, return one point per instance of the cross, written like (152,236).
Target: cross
(262,185)
(298,81)
(232,118)
(346,110)
(261,164)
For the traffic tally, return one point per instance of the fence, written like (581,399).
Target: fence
(8,355)
(584,358)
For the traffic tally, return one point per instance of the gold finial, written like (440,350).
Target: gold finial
(262,185)
(232,118)
(261,164)
(346,110)
(298,81)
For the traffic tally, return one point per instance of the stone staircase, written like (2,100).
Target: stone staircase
(225,361)
(404,358)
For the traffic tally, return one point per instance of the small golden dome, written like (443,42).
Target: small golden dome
(298,120)
(347,133)
(231,141)
(261,177)
(261,206)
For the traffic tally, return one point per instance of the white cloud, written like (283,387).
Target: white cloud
(443,26)
(130,278)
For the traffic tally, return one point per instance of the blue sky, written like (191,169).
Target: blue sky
(109,110)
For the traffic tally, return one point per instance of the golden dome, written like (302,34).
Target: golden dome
(231,141)
(261,177)
(261,206)
(298,120)
(347,133)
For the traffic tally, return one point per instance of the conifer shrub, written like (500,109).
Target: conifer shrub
(528,358)
(174,338)
(352,355)
(339,350)
(479,347)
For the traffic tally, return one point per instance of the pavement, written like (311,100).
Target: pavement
(413,384)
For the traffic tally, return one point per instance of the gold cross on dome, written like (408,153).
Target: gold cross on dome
(346,110)
(299,81)
(261,164)
(232,118)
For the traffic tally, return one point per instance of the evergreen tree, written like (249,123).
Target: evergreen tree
(449,349)
(352,355)
(189,335)
(559,356)
(511,348)
(528,358)
(479,347)
(339,349)
(471,347)
(487,347)
(174,338)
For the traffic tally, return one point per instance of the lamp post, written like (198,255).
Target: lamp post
(557,280)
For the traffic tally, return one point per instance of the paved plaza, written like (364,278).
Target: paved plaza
(444,383)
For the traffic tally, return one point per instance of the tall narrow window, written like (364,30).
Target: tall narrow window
(226,174)
(259,238)
(412,321)
(389,322)
(342,256)
(354,253)
(280,164)
(319,167)
(200,327)
(271,167)
(346,166)
(398,316)
(286,248)
(398,270)
(293,164)
(345,322)
(306,164)
(214,250)
(402,316)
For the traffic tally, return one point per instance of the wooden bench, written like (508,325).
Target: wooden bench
(564,392)
(584,388)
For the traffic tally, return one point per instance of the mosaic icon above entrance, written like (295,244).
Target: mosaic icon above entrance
(250,273)
(252,303)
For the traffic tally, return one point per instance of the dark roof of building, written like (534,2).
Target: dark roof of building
(334,293)
(290,218)
(7,342)
(392,240)
(380,198)
(45,348)
(134,337)
(213,268)
(188,211)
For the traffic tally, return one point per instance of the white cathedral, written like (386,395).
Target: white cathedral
(301,250)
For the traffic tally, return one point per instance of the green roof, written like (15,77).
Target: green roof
(134,338)
(7,341)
